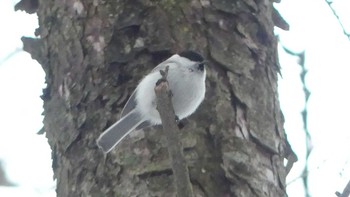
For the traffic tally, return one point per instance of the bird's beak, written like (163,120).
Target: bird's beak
(204,62)
(201,64)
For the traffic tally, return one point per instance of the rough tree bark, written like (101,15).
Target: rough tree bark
(95,52)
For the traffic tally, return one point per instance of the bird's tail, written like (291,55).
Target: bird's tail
(118,131)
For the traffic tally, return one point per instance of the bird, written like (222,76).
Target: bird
(186,79)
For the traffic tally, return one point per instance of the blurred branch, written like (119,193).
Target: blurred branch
(3,179)
(304,114)
(8,56)
(346,191)
(329,3)
(301,176)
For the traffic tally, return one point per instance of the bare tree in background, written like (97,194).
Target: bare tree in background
(3,178)
(95,52)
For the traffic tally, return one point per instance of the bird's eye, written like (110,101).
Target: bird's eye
(190,69)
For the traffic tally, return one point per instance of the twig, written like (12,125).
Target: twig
(10,55)
(166,111)
(329,3)
(304,114)
(346,191)
(165,107)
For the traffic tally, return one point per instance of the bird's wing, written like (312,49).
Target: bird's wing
(130,104)
(143,125)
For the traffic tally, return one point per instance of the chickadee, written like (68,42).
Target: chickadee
(186,78)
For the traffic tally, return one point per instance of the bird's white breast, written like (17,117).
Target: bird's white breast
(188,91)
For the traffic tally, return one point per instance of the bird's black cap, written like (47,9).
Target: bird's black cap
(192,55)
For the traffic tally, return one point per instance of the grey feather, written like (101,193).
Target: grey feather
(130,104)
(115,133)
(144,125)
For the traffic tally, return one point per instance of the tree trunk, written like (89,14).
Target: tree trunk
(95,52)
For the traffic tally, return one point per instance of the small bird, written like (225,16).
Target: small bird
(186,78)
